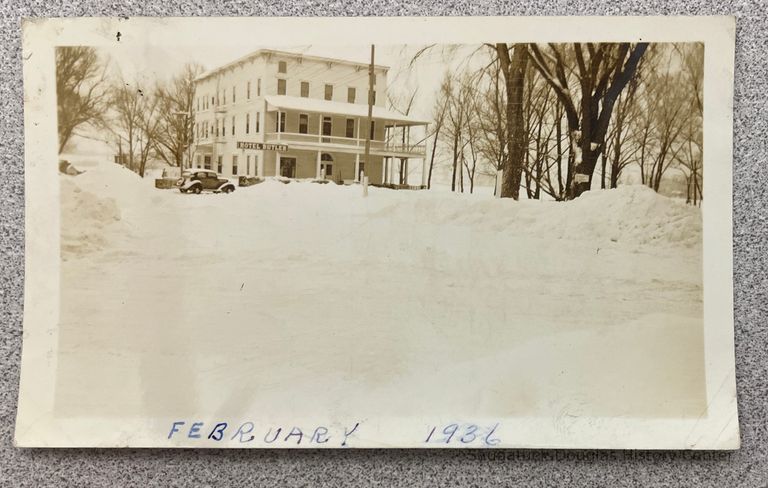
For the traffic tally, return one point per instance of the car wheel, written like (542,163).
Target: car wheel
(227,189)
(196,189)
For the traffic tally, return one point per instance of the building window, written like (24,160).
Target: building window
(219,164)
(303,123)
(247,123)
(350,128)
(327,128)
(234,164)
(351,94)
(373,129)
(373,98)
(248,91)
(213,101)
(257,121)
(305,89)
(258,87)
(233,125)
(328,92)
(217,127)
(361,171)
(207,160)
(224,96)
(234,94)
(256,165)
(248,165)
(280,122)
(280,86)
(282,67)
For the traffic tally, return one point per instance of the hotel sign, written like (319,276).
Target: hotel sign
(261,146)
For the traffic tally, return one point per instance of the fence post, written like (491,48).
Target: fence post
(365,185)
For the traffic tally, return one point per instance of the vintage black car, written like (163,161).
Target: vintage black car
(199,180)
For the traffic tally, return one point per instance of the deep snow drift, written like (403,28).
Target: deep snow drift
(415,301)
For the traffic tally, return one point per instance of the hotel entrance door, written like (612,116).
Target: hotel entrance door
(288,167)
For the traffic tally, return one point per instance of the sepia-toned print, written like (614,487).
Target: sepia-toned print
(288,245)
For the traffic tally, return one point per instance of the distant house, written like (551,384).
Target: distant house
(275,113)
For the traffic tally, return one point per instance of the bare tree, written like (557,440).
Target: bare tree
(455,119)
(601,72)
(135,122)
(492,121)
(667,108)
(439,112)
(175,100)
(617,151)
(693,72)
(80,90)
(471,153)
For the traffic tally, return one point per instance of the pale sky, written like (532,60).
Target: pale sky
(158,62)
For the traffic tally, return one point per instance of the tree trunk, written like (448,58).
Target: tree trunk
(602,170)
(432,159)
(559,135)
(514,74)
(455,160)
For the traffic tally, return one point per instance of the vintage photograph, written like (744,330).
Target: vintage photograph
(463,233)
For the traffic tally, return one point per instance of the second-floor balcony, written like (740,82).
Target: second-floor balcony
(320,130)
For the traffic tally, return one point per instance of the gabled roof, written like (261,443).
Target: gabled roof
(326,107)
(287,54)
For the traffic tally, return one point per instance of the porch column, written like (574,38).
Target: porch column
(279,118)
(384,170)
(319,133)
(318,165)
(357,136)
(392,169)
(405,171)
(277,164)
(357,167)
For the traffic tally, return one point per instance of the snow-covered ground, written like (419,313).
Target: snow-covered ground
(311,298)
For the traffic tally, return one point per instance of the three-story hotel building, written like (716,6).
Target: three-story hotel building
(275,113)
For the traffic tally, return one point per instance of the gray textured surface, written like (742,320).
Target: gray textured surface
(747,467)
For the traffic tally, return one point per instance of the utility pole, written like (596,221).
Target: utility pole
(371,79)
(186,140)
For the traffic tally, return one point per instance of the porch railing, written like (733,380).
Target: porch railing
(393,146)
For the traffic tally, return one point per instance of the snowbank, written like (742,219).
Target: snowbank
(85,218)
(95,203)
(629,215)
(634,215)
